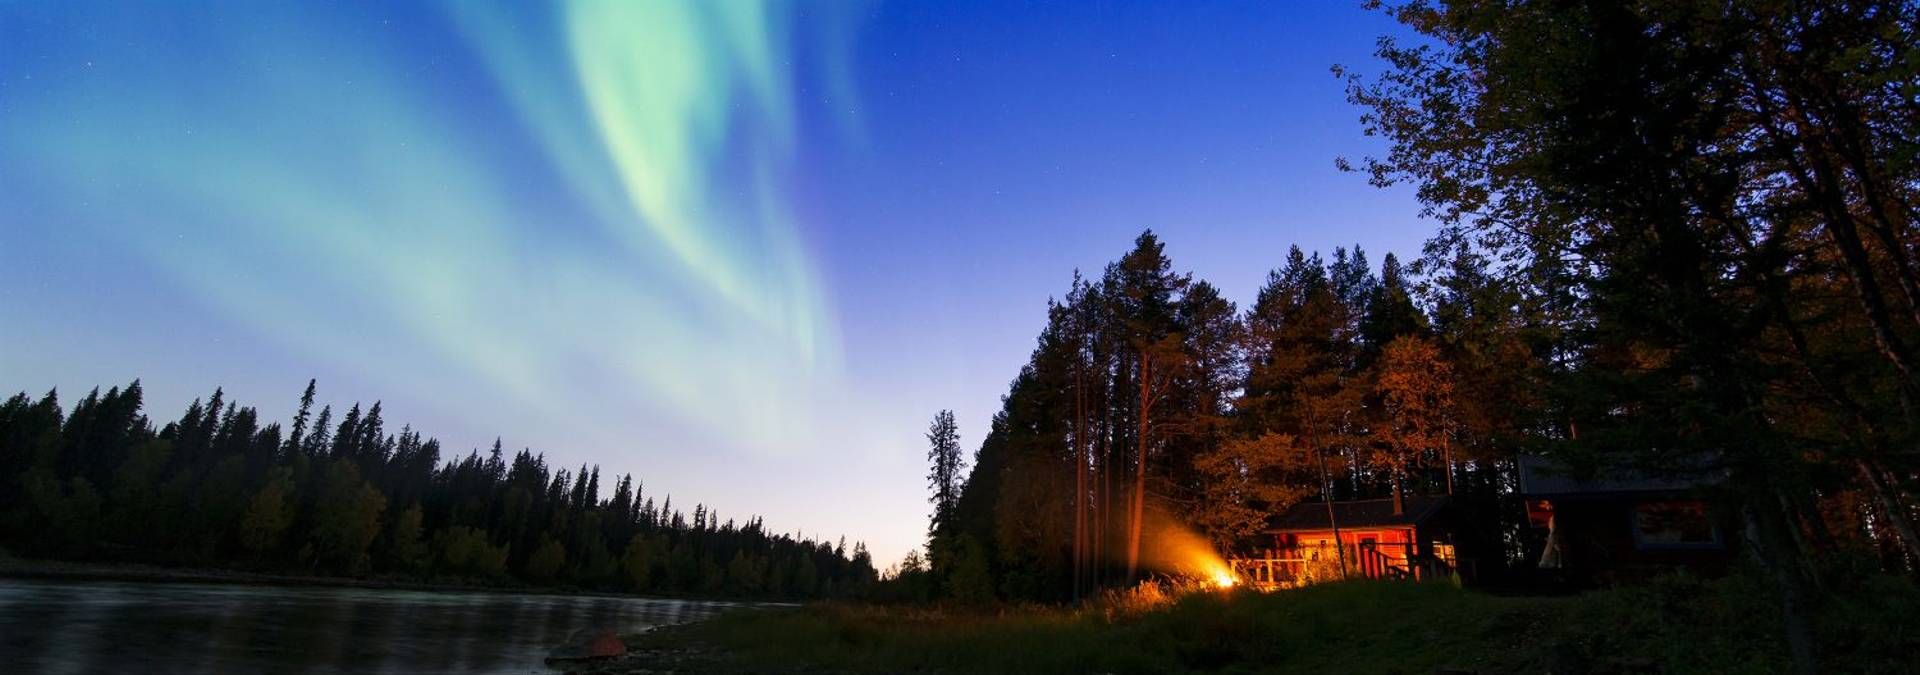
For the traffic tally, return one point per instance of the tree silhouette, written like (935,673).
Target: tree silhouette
(218,487)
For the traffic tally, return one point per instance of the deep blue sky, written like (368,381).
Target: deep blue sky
(744,253)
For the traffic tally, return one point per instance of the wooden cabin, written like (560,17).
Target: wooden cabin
(1618,526)
(1370,538)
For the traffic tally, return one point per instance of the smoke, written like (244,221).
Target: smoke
(1170,547)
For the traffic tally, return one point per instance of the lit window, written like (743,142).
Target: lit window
(1673,524)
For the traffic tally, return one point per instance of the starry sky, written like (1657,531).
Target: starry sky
(742,251)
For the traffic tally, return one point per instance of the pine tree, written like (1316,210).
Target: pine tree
(593,487)
(945,470)
(316,443)
(346,437)
(1148,290)
(300,419)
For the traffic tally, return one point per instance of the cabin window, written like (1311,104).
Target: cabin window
(1673,524)
(1539,512)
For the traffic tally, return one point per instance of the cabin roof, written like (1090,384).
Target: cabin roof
(1546,477)
(1312,516)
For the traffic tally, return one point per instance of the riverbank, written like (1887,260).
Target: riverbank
(1675,625)
(24,568)
(18,568)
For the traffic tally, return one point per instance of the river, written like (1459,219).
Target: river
(149,627)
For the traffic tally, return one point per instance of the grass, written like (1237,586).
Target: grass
(1674,625)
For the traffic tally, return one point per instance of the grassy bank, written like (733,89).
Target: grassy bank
(1676,625)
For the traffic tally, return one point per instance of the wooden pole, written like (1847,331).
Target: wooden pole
(1326,497)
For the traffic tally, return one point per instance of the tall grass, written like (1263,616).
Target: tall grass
(1170,626)
(1116,604)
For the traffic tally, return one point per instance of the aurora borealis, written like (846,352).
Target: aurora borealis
(771,240)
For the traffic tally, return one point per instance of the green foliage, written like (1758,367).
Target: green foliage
(348,518)
(220,501)
(67,510)
(745,574)
(1245,480)
(806,577)
(135,492)
(407,544)
(592,564)
(970,580)
(1709,210)
(713,577)
(269,514)
(638,561)
(464,551)
(546,561)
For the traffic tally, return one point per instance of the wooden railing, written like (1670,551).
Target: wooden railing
(1376,564)
(1289,568)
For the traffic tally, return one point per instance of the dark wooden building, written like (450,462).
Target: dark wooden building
(1620,526)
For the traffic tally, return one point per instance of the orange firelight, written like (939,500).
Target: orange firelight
(1184,553)
(1178,551)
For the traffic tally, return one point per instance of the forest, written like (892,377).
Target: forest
(1338,380)
(222,488)
(1673,238)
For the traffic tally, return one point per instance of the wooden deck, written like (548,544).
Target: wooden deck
(1291,568)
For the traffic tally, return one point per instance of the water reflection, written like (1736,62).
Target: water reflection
(89,627)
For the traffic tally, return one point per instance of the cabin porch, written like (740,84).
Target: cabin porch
(1364,539)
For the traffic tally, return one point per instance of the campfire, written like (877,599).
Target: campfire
(1181,553)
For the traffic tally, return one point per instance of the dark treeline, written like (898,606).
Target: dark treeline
(220,487)
(1674,237)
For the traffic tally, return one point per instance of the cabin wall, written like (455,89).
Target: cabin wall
(1608,540)
(1391,541)
(1350,536)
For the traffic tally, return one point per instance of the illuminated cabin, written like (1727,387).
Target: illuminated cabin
(1618,526)
(1377,540)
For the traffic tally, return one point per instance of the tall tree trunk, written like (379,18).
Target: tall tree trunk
(1326,498)
(1840,227)
(1766,533)
(1816,178)
(1895,512)
(1869,435)
(1399,500)
(1079,481)
(1888,220)
(1140,472)
(1103,503)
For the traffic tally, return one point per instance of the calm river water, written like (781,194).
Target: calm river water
(107,626)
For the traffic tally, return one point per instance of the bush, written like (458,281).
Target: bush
(546,561)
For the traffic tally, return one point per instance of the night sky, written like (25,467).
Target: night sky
(744,252)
